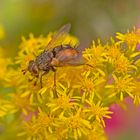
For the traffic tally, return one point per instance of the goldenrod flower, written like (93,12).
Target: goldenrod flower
(90,84)
(122,85)
(131,38)
(20,104)
(76,126)
(14,78)
(97,132)
(123,65)
(96,51)
(60,133)
(31,130)
(97,112)
(65,100)
(48,81)
(113,52)
(46,122)
(40,126)
(94,57)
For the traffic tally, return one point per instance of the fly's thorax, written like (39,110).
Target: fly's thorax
(43,60)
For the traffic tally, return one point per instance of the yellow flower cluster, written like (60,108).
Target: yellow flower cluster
(72,102)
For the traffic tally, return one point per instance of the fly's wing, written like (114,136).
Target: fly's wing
(58,37)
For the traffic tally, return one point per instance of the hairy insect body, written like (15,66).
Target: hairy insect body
(43,61)
(46,61)
(53,56)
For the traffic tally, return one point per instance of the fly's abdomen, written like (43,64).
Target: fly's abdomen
(66,54)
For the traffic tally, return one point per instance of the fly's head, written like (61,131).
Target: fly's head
(33,68)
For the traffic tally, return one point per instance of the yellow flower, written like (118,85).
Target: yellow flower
(75,126)
(25,86)
(46,122)
(113,53)
(97,132)
(48,83)
(122,85)
(94,52)
(123,65)
(14,78)
(97,112)
(20,104)
(60,133)
(31,130)
(131,38)
(94,57)
(90,84)
(65,100)
(39,127)
(70,74)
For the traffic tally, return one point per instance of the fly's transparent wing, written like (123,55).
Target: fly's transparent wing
(58,37)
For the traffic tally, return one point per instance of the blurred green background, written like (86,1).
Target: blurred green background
(90,19)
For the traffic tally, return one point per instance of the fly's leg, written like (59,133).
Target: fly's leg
(54,70)
(30,80)
(55,82)
(42,74)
